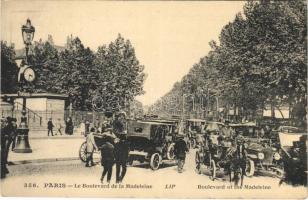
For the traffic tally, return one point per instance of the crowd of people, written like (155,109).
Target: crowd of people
(8,141)
(69,127)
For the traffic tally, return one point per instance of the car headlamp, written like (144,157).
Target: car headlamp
(277,156)
(261,156)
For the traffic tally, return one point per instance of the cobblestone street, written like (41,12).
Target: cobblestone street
(62,178)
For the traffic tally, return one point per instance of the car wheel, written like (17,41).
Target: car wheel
(155,161)
(212,169)
(170,152)
(83,152)
(250,168)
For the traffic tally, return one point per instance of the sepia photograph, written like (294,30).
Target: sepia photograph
(154,99)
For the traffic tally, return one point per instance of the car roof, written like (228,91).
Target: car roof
(288,127)
(216,123)
(248,124)
(149,122)
(196,120)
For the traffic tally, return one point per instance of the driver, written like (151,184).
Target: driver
(119,124)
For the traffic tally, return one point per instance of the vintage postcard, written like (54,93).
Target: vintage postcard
(154,99)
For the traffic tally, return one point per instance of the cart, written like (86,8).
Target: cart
(99,139)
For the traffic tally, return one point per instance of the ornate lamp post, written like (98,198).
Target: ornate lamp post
(26,74)
(27,31)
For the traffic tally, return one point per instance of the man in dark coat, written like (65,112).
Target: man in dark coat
(180,149)
(50,127)
(14,133)
(107,158)
(119,124)
(121,156)
(4,152)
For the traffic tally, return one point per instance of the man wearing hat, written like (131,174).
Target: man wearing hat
(50,127)
(121,157)
(119,124)
(180,149)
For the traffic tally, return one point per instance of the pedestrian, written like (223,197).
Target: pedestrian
(82,128)
(69,127)
(4,152)
(87,127)
(107,158)
(91,146)
(180,149)
(59,126)
(14,133)
(50,127)
(121,157)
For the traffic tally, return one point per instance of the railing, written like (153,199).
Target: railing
(29,112)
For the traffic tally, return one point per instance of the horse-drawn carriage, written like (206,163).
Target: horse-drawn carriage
(221,153)
(99,139)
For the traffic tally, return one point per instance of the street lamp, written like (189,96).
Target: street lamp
(26,74)
(27,31)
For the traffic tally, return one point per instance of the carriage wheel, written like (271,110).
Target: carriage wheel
(170,152)
(155,161)
(198,163)
(250,168)
(212,169)
(83,152)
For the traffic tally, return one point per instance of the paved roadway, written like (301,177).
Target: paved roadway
(69,175)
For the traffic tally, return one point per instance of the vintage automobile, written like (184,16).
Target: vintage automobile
(150,141)
(223,153)
(260,150)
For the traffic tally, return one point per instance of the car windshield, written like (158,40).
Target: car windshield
(247,131)
(290,129)
(213,127)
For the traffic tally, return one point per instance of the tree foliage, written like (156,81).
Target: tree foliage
(260,59)
(120,72)
(112,72)
(9,69)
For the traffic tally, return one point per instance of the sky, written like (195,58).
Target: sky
(168,37)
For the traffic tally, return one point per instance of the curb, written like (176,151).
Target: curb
(21,162)
(55,138)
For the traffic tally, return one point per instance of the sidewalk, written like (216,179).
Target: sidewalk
(42,134)
(48,149)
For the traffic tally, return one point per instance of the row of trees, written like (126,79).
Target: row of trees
(112,73)
(259,60)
